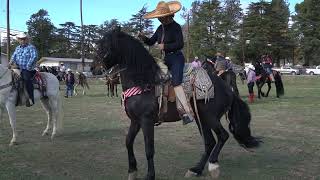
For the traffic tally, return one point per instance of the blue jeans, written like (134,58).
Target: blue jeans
(69,89)
(27,77)
(175,63)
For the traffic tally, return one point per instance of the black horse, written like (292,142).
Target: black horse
(263,77)
(229,76)
(139,71)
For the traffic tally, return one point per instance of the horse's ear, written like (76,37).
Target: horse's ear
(118,29)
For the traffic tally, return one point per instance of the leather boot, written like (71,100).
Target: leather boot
(181,96)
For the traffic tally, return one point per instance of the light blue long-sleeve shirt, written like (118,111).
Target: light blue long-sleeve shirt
(25,56)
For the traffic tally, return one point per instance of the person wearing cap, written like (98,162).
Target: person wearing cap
(220,64)
(25,57)
(70,80)
(251,78)
(169,39)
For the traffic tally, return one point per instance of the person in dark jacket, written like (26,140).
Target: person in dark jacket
(69,78)
(169,39)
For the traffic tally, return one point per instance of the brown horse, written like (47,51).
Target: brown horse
(82,81)
(112,82)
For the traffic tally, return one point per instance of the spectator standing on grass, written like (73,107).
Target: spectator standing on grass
(251,79)
(69,78)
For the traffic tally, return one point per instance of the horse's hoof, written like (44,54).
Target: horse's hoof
(214,170)
(52,136)
(13,143)
(45,133)
(132,175)
(190,174)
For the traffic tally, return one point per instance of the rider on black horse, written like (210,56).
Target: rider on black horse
(267,65)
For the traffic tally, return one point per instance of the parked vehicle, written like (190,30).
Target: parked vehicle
(287,70)
(313,71)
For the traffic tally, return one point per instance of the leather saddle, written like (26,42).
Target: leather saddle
(196,84)
(38,81)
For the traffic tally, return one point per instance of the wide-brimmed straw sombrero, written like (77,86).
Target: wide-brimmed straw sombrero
(164,9)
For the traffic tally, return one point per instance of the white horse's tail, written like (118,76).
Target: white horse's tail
(60,115)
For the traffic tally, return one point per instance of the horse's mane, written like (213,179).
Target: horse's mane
(140,66)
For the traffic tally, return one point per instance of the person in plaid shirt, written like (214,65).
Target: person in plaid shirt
(25,57)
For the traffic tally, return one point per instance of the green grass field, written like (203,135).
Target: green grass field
(92,144)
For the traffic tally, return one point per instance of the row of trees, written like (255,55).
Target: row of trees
(264,28)
(65,41)
(212,26)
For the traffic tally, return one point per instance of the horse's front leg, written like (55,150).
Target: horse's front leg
(209,143)
(132,133)
(222,136)
(269,88)
(108,89)
(116,89)
(11,108)
(148,133)
(112,89)
(259,90)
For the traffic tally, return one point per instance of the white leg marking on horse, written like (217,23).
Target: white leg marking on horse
(132,176)
(190,174)
(214,170)
(46,106)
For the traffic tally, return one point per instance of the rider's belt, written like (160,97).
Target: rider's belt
(172,52)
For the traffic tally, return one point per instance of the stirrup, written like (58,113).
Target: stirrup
(187,118)
(157,123)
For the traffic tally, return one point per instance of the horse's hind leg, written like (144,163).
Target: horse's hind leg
(112,89)
(222,136)
(132,133)
(46,107)
(54,107)
(259,90)
(75,90)
(83,90)
(11,108)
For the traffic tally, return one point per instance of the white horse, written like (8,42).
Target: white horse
(52,105)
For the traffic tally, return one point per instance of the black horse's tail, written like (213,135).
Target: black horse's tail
(239,116)
(278,83)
